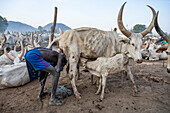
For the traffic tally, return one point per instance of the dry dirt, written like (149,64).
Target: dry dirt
(152,80)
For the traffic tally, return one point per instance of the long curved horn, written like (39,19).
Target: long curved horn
(159,31)
(150,27)
(15,48)
(59,49)
(60,31)
(50,40)
(2,42)
(39,39)
(5,39)
(10,57)
(51,43)
(27,37)
(22,50)
(162,48)
(36,43)
(148,44)
(120,23)
(27,40)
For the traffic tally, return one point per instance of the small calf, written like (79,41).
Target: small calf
(103,66)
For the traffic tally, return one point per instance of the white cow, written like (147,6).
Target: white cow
(93,43)
(11,40)
(12,57)
(154,52)
(103,66)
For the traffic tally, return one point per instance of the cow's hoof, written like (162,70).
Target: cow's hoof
(56,102)
(134,93)
(101,98)
(79,97)
(97,93)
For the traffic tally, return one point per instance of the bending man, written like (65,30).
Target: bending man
(38,60)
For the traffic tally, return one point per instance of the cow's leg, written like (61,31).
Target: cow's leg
(132,79)
(122,78)
(73,62)
(43,77)
(123,74)
(78,73)
(99,86)
(103,86)
(91,79)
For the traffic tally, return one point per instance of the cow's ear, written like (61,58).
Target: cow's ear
(124,40)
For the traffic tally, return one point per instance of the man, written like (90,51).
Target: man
(38,60)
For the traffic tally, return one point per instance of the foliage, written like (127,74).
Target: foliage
(40,28)
(139,28)
(3,24)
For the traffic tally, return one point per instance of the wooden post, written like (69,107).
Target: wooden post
(53,26)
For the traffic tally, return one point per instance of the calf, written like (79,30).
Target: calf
(103,66)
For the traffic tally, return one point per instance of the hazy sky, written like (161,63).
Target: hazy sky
(100,14)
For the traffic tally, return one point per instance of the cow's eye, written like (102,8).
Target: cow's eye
(133,44)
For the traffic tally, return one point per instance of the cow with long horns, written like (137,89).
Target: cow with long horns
(12,57)
(165,37)
(92,43)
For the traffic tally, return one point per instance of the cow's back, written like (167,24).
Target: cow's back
(90,42)
(102,43)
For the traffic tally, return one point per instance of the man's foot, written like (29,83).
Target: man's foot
(42,95)
(56,102)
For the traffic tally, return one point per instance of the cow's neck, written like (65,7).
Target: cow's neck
(122,47)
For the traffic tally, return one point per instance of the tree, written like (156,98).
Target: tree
(40,28)
(44,31)
(3,24)
(139,28)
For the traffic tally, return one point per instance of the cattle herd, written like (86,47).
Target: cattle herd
(102,53)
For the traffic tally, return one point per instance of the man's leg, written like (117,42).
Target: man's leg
(43,77)
(56,75)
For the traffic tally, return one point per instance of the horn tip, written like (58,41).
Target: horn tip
(124,3)
(148,5)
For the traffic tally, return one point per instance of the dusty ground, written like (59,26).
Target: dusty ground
(153,83)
